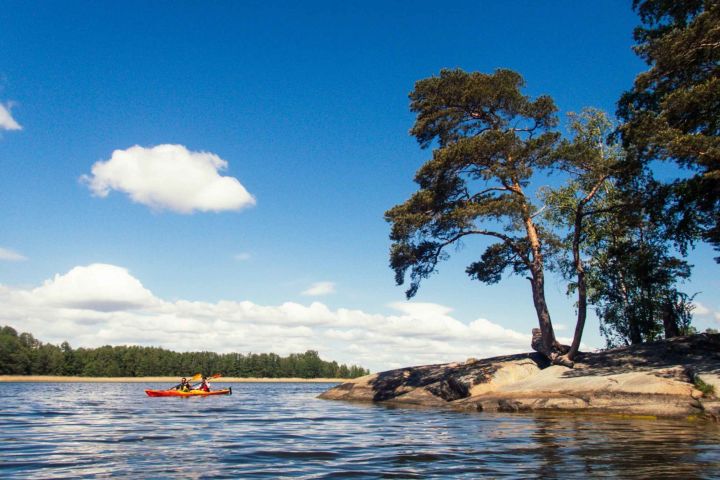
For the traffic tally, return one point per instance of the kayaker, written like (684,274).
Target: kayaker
(184,385)
(205,385)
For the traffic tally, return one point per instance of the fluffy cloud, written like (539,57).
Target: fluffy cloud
(10,255)
(702,310)
(319,289)
(99,287)
(7,122)
(169,177)
(104,304)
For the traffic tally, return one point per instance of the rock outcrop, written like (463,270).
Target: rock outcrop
(662,379)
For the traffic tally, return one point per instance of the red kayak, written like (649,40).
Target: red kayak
(191,393)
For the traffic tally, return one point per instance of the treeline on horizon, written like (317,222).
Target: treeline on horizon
(23,354)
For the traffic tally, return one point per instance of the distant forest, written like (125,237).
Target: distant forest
(23,354)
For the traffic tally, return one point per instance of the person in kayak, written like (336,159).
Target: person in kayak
(204,385)
(184,385)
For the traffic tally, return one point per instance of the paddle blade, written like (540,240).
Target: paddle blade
(196,377)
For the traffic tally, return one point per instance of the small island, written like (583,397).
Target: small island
(675,378)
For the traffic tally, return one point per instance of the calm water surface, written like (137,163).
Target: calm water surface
(52,430)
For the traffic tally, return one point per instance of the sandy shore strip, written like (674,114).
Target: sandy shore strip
(52,378)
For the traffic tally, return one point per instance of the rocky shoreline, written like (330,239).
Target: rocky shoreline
(670,378)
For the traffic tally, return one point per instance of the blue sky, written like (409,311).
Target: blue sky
(307,103)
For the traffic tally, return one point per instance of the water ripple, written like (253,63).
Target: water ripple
(282,431)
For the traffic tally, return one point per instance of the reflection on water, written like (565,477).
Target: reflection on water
(282,430)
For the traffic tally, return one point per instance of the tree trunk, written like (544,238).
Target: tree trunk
(670,323)
(537,282)
(635,335)
(581,286)
(551,348)
(547,345)
(582,315)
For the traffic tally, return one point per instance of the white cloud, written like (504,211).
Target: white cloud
(7,122)
(10,255)
(99,287)
(421,310)
(701,309)
(318,289)
(241,257)
(104,304)
(169,177)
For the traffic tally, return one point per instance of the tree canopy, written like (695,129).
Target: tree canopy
(614,253)
(587,197)
(490,140)
(672,112)
(491,143)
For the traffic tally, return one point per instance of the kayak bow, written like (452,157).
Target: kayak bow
(191,393)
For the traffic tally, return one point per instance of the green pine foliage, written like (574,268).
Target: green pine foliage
(671,113)
(22,354)
(489,140)
(606,227)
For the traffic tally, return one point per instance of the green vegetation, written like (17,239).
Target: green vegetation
(634,287)
(671,114)
(587,200)
(707,389)
(610,228)
(22,354)
(491,140)
(615,255)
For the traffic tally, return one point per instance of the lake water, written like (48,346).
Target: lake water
(53,430)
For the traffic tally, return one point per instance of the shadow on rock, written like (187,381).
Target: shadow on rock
(446,381)
(700,351)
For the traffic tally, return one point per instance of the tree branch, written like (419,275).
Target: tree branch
(538,212)
(488,190)
(590,213)
(593,191)
(505,238)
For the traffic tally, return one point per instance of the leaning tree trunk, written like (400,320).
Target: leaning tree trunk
(546,344)
(537,282)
